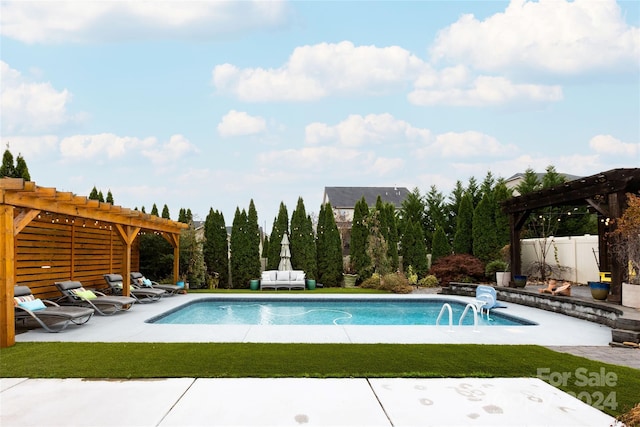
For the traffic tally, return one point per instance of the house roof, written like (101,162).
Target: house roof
(347,197)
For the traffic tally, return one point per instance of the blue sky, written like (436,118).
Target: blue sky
(199,104)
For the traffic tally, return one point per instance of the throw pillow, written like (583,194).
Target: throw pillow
(85,294)
(34,305)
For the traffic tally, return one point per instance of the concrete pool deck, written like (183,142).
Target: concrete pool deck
(311,401)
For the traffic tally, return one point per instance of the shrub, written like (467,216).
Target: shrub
(429,281)
(458,268)
(412,276)
(495,266)
(396,283)
(372,282)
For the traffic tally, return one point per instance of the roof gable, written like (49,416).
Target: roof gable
(347,197)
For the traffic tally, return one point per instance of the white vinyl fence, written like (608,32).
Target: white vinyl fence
(573,258)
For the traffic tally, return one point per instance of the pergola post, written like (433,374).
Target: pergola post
(7,277)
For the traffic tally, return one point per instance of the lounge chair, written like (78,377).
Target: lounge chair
(73,293)
(487,298)
(115,283)
(48,314)
(141,281)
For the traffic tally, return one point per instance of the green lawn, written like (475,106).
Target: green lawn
(210,360)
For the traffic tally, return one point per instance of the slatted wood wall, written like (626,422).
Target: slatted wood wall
(52,249)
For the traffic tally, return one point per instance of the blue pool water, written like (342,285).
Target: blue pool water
(304,311)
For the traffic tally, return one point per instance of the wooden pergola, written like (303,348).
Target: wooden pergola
(605,193)
(48,235)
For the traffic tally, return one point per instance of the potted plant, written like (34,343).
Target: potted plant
(498,269)
(624,243)
(349,274)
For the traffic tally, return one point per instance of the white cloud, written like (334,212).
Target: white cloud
(86,147)
(92,20)
(177,147)
(465,145)
(358,130)
(317,71)
(482,91)
(385,165)
(29,107)
(238,123)
(608,145)
(318,159)
(552,35)
(31,146)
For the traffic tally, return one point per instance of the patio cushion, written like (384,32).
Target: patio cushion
(85,294)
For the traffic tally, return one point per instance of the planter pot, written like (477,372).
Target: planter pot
(311,284)
(599,290)
(350,280)
(254,284)
(631,295)
(520,281)
(503,278)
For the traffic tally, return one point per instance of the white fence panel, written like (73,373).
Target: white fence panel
(574,253)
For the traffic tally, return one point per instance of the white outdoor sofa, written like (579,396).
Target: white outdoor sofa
(288,279)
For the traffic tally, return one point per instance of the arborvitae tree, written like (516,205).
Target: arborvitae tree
(485,243)
(414,250)
(265,247)
(165,212)
(440,245)
(94,194)
(100,197)
(191,259)
(303,242)
(240,270)
(412,209)
(329,248)
(552,178)
(218,251)
(156,257)
(463,240)
(280,226)
(500,194)
(487,185)
(109,197)
(22,171)
(390,232)
(253,238)
(360,261)
(182,216)
(7,169)
(142,210)
(472,188)
(455,198)
(154,210)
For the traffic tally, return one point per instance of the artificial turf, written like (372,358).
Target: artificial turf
(234,360)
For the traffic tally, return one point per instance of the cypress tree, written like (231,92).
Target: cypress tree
(280,226)
(7,169)
(253,237)
(391,227)
(302,239)
(165,212)
(485,244)
(359,235)
(500,194)
(94,194)
(109,197)
(154,209)
(329,248)
(414,250)
(463,240)
(440,245)
(22,171)
(240,272)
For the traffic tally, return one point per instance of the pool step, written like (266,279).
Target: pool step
(624,335)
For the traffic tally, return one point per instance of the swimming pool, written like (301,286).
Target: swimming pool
(306,311)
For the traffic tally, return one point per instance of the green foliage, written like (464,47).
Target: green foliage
(154,210)
(414,249)
(253,242)
(165,212)
(429,281)
(412,276)
(463,238)
(529,183)
(191,259)
(485,244)
(377,247)
(436,216)
(216,247)
(93,195)
(500,194)
(359,235)
(440,245)
(280,226)
(22,171)
(329,248)
(458,268)
(372,282)
(494,266)
(7,169)
(109,197)
(396,283)
(156,257)
(240,270)
(303,242)
(389,230)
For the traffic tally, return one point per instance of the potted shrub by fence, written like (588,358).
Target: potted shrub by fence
(498,269)
(625,246)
